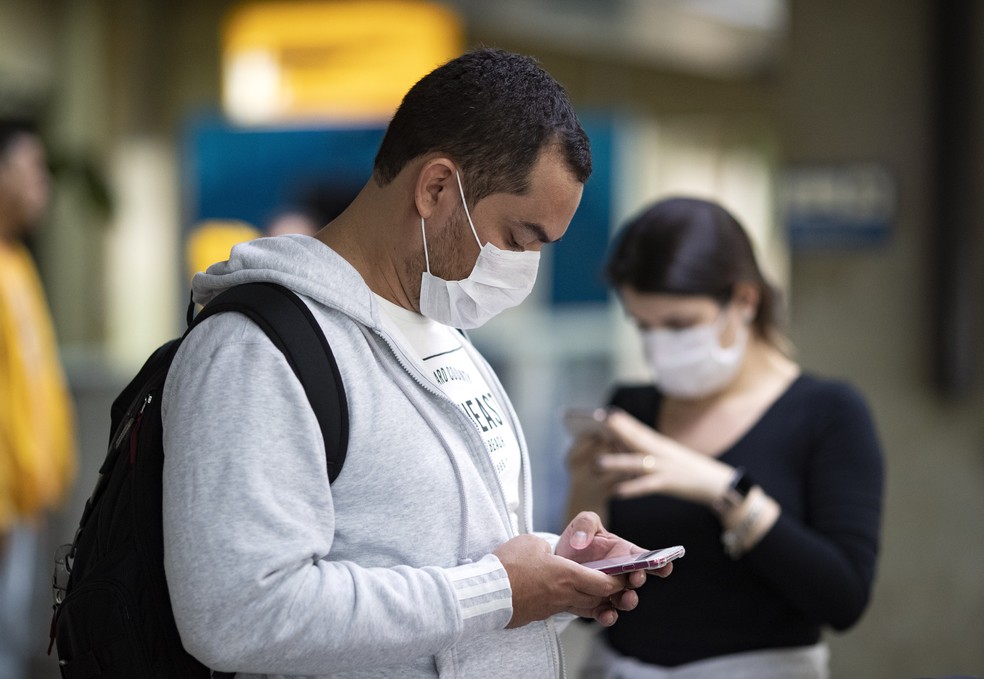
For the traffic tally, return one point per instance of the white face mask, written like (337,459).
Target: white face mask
(691,363)
(500,279)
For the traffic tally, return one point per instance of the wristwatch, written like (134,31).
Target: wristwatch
(738,489)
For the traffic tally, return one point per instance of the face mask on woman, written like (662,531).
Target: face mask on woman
(691,363)
(500,279)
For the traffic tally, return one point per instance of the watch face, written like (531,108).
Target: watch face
(744,484)
(739,488)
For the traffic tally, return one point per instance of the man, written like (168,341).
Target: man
(418,561)
(37,455)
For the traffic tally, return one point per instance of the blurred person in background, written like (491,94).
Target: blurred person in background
(37,450)
(314,206)
(769,476)
(420,559)
(292,220)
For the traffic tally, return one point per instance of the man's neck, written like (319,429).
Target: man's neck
(367,236)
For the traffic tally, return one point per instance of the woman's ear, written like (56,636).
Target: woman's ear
(433,183)
(745,298)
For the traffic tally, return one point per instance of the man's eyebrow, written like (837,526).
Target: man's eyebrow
(538,231)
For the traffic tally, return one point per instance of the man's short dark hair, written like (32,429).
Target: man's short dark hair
(491,112)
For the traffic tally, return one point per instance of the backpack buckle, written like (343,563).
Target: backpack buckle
(64,556)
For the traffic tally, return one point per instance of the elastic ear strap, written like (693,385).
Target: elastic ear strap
(464,204)
(423,232)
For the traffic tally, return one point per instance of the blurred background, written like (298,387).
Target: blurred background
(846,135)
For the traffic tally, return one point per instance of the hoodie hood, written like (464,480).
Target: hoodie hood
(301,263)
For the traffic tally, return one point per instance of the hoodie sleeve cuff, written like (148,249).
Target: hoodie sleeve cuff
(484,595)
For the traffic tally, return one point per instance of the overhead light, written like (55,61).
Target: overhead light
(349,60)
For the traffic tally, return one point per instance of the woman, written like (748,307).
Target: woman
(770,477)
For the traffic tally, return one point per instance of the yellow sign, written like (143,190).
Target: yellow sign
(212,240)
(349,60)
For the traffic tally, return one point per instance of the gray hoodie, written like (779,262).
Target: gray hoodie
(388,571)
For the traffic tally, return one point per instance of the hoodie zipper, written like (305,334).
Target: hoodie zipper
(557,648)
(411,369)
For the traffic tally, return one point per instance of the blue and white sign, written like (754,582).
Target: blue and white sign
(838,206)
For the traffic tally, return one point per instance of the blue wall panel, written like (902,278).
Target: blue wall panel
(249,174)
(578,257)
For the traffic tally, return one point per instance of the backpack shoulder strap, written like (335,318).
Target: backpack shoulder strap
(291,326)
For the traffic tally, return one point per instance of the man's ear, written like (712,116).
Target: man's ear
(434,183)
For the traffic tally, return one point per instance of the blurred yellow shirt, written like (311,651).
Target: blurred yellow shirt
(37,436)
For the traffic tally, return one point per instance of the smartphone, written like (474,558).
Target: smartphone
(580,421)
(656,558)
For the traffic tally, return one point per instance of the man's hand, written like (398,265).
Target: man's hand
(585,539)
(544,584)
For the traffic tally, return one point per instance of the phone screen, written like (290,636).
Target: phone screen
(585,420)
(656,558)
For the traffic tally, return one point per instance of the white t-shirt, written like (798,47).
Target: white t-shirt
(438,352)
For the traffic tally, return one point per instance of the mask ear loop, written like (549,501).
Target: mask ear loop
(741,334)
(423,232)
(464,204)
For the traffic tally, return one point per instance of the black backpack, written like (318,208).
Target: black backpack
(113,617)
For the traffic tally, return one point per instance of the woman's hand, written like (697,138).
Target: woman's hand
(589,487)
(657,464)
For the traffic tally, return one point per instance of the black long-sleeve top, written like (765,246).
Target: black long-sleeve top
(816,452)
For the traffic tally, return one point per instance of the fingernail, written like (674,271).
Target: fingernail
(579,540)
